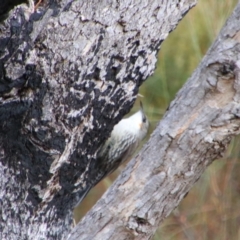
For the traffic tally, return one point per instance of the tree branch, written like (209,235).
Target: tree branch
(69,72)
(195,130)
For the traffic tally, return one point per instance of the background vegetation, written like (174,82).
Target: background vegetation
(212,208)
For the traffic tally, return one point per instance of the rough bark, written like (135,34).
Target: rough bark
(68,72)
(195,130)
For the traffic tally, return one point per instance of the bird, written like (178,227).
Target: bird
(120,146)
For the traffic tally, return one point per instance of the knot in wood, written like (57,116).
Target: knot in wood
(226,70)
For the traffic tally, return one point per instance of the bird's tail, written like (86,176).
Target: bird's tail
(83,194)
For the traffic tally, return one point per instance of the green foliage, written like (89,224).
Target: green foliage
(211,209)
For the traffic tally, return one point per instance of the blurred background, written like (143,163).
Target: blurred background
(211,210)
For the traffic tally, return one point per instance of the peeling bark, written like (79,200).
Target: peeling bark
(195,130)
(69,72)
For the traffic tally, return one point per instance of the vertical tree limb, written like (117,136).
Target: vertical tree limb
(68,73)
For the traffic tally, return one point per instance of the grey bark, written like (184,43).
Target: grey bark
(195,130)
(69,71)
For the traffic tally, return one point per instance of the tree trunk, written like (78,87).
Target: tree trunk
(69,71)
(195,130)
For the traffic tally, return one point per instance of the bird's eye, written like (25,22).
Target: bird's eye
(144,119)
